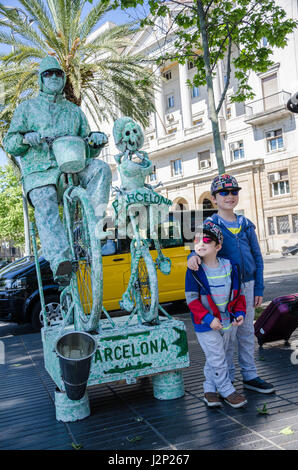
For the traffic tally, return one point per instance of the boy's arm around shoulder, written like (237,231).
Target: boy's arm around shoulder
(192,297)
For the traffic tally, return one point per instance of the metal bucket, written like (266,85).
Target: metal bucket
(75,350)
(70,153)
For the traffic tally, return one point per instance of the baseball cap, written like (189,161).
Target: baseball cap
(212,230)
(224,181)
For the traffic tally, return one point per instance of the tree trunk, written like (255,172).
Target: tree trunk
(69,94)
(213,116)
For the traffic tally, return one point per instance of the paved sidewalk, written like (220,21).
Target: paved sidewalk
(127,417)
(276,264)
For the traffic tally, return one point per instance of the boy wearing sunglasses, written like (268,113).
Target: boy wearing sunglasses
(241,246)
(213,294)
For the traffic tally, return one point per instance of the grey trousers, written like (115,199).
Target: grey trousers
(218,347)
(96,179)
(246,335)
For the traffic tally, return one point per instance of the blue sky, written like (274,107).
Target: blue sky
(116,16)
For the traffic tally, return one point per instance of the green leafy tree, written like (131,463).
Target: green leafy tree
(96,70)
(208,31)
(11,207)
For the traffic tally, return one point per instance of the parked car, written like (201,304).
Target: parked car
(4,262)
(19,295)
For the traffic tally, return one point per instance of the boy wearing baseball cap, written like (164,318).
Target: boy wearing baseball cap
(213,294)
(240,245)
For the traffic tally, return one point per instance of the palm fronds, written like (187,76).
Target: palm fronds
(96,68)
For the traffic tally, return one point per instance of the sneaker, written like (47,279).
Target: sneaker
(236,400)
(211,399)
(258,385)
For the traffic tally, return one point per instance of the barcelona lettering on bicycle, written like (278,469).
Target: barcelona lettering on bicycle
(144,197)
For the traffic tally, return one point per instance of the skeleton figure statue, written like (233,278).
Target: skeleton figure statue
(51,115)
(133,164)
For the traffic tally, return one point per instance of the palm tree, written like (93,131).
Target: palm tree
(96,70)
(98,73)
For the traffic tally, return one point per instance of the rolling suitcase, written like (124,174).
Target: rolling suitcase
(278,321)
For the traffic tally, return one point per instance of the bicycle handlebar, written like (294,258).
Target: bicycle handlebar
(49,141)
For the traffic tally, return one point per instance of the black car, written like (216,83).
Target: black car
(19,295)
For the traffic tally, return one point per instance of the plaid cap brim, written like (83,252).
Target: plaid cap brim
(212,235)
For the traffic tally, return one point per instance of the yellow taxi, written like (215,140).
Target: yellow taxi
(116,266)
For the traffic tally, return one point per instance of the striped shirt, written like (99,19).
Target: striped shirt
(219,280)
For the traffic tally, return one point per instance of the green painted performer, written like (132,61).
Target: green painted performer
(51,115)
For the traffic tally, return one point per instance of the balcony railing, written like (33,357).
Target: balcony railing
(268,105)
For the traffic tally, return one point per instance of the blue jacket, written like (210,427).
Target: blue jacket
(244,250)
(196,286)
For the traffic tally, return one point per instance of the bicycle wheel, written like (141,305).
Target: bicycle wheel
(146,286)
(87,285)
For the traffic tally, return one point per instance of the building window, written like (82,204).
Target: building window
(176,167)
(270,91)
(237,150)
(283,224)
(279,182)
(229,112)
(167,75)
(190,65)
(170,101)
(274,140)
(280,188)
(195,92)
(197,122)
(172,131)
(204,160)
(271,229)
(153,176)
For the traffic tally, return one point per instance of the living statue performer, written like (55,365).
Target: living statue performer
(50,114)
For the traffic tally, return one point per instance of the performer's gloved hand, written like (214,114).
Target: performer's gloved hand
(32,138)
(97,139)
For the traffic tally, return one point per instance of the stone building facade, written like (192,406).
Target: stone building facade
(259,140)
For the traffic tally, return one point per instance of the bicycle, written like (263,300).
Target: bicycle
(81,300)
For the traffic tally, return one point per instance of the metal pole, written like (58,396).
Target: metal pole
(26,225)
(41,294)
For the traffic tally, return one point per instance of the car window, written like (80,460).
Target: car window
(108,247)
(169,231)
(123,245)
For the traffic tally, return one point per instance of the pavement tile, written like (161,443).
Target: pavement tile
(128,417)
